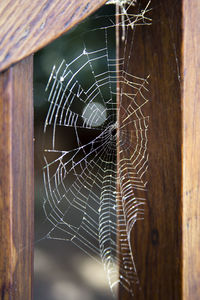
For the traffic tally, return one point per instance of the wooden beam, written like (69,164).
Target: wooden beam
(26,26)
(16,181)
(157,240)
(166,245)
(191,150)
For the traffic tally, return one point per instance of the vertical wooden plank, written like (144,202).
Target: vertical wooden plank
(16,181)
(191,150)
(157,240)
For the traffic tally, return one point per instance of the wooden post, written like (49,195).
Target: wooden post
(166,245)
(191,150)
(16,181)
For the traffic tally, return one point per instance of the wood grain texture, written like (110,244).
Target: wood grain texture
(16,181)
(191,150)
(157,240)
(26,25)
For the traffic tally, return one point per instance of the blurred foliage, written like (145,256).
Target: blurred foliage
(52,272)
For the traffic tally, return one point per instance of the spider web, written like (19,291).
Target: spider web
(90,192)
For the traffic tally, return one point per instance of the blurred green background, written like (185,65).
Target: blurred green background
(62,271)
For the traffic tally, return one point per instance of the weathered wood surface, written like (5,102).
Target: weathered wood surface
(27,25)
(16,181)
(166,245)
(157,240)
(191,150)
